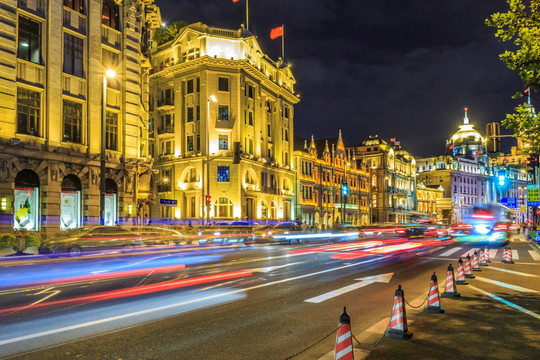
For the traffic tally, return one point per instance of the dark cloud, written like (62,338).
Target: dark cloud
(403,69)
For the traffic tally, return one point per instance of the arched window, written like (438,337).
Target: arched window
(190,175)
(223,208)
(26,202)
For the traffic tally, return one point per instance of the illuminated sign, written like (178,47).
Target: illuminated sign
(533,195)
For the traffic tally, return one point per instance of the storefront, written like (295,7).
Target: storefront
(26,201)
(70,203)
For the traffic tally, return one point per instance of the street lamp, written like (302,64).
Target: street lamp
(206,195)
(109,74)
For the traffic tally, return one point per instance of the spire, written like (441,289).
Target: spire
(340,145)
(466,119)
(305,144)
(312,148)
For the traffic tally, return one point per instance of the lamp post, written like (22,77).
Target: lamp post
(109,74)
(206,188)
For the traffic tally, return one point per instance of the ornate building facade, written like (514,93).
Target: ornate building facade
(321,174)
(392,180)
(54,57)
(222,125)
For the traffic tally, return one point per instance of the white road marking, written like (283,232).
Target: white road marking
(493,253)
(517,307)
(513,272)
(363,282)
(470,252)
(451,251)
(506,285)
(534,255)
(515,255)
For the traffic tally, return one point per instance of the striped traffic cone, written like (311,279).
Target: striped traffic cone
(344,345)
(475,266)
(467,268)
(486,252)
(507,256)
(450,284)
(434,302)
(398,323)
(482,261)
(461,274)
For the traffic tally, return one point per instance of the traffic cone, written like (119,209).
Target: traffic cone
(461,274)
(468,272)
(482,261)
(434,302)
(344,345)
(450,284)
(486,252)
(398,323)
(507,256)
(475,266)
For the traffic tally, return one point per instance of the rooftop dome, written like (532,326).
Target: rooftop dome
(467,134)
(373,140)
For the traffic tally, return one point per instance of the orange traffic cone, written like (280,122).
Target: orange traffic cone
(486,252)
(507,256)
(450,285)
(483,261)
(461,274)
(344,345)
(468,272)
(433,302)
(398,323)
(475,266)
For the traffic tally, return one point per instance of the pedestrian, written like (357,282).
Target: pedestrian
(189,225)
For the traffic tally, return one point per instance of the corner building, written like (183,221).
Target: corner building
(222,125)
(54,56)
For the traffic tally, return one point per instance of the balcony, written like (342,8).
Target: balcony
(110,37)
(30,73)
(167,129)
(74,21)
(165,104)
(32,6)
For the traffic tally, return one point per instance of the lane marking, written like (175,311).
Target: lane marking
(506,285)
(451,251)
(493,253)
(534,255)
(517,307)
(513,272)
(515,255)
(470,252)
(385,278)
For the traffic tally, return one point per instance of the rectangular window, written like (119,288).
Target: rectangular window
(77,5)
(223,84)
(166,147)
(223,142)
(73,55)
(189,86)
(189,143)
(189,116)
(250,91)
(198,113)
(29,47)
(110,14)
(111,131)
(198,84)
(250,118)
(111,61)
(198,142)
(28,111)
(223,112)
(223,174)
(72,112)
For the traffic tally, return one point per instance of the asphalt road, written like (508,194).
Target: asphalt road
(259,302)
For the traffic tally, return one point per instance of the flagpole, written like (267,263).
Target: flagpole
(247,14)
(283,44)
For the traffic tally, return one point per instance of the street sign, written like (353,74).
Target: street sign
(510,202)
(533,195)
(167,202)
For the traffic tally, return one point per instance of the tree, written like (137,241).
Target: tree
(168,32)
(521,26)
(19,240)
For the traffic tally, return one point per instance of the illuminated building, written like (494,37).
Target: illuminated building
(392,179)
(222,125)
(428,196)
(54,56)
(320,175)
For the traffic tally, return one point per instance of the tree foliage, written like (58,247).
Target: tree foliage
(521,26)
(168,32)
(19,240)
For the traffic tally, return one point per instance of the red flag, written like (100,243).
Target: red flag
(276,32)
(235,1)
(526,90)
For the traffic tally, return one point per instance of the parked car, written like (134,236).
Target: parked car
(90,239)
(223,235)
(158,236)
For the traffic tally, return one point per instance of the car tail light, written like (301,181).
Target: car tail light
(500,227)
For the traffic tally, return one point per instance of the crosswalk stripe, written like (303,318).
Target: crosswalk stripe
(493,253)
(515,255)
(451,251)
(534,255)
(470,252)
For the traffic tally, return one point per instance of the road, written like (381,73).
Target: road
(258,302)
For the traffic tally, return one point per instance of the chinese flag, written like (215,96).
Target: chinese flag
(235,1)
(276,32)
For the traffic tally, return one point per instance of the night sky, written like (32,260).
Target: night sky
(403,69)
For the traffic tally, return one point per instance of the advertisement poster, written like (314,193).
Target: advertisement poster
(110,210)
(70,210)
(26,209)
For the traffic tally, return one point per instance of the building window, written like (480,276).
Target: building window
(189,116)
(250,91)
(73,55)
(28,111)
(189,143)
(76,5)
(109,16)
(223,84)
(250,118)
(29,48)
(286,112)
(198,113)
(189,86)
(110,61)
(223,208)
(165,181)
(72,112)
(111,131)
(223,174)
(223,112)
(166,147)
(223,142)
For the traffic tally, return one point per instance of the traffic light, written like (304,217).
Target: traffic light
(501,175)
(345,189)
(208,197)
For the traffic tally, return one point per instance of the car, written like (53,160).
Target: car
(159,236)
(223,235)
(88,239)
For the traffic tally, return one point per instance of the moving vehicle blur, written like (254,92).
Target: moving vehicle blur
(90,239)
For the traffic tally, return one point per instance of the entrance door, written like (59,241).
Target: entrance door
(250,208)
